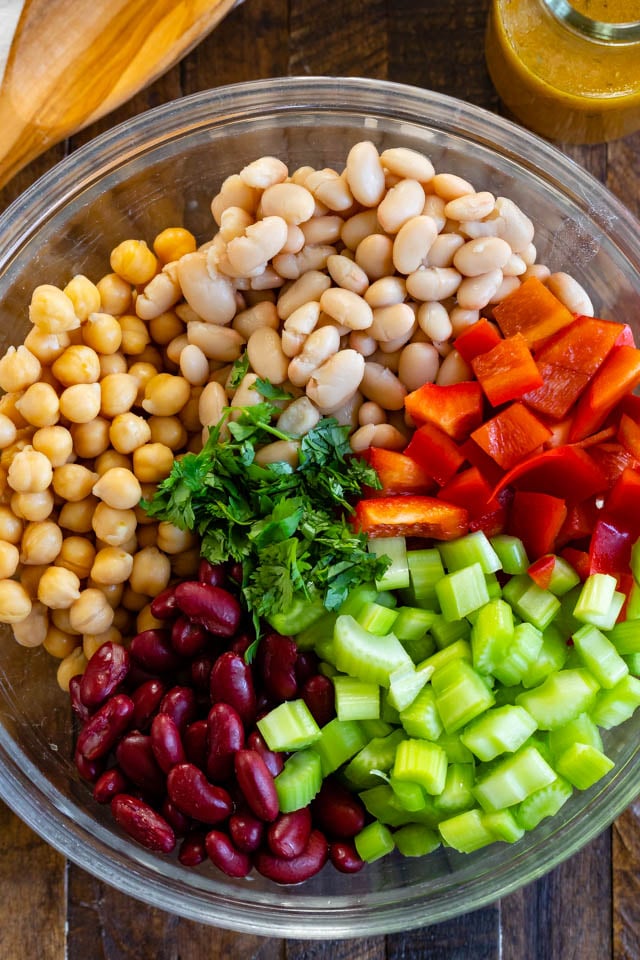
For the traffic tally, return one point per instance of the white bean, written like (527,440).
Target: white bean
(194,365)
(508,285)
(474,293)
(336,380)
(433,283)
(365,173)
(449,186)
(299,417)
(386,291)
(207,292)
(470,206)
(313,256)
(453,369)
(400,204)
(261,314)
(359,226)
(538,270)
(517,229)
(461,319)
(347,274)
(234,192)
(211,403)
(217,343)
(160,294)
(318,347)
(298,326)
(293,203)
(310,286)
(261,241)
(266,356)
(325,229)
(419,364)
(404,162)
(371,412)
(442,250)
(434,321)
(331,189)
(482,255)
(413,243)
(381,385)
(375,255)
(264,172)
(434,207)
(570,293)
(347,308)
(392,322)
(363,342)
(280,451)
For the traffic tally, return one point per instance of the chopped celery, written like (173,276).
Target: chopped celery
(420,649)
(376,618)
(326,669)
(632,660)
(583,765)
(512,779)
(456,794)
(521,654)
(339,740)
(503,825)
(455,748)
(374,841)
(563,577)
(560,698)
(491,635)
(416,840)
(396,576)
(462,591)
(375,728)
(471,548)
(625,636)
(421,718)
(458,650)
(299,780)
(494,588)
(511,553)
(378,754)
(551,657)
(320,629)
(299,615)
(499,730)
(466,832)
(446,632)
(633,604)
(580,730)
(595,598)
(461,694)
(367,656)
(423,762)
(599,656)
(382,803)
(387,712)
(530,602)
(425,569)
(564,619)
(542,803)
(412,623)
(356,699)
(356,599)
(410,795)
(289,726)
(613,707)
(405,684)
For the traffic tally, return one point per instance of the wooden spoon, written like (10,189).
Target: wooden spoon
(72,61)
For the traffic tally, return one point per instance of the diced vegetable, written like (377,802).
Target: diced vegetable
(411,515)
(533,311)
(457,409)
(507,371)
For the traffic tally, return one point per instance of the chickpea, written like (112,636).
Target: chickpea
(15,602)
(118,393)
(112,363)
(55,442)
(143,372)
(73,482)
(77,555)
(118,488)
(133,261)
(166,327)
(60,619)
(78,516)
(168,431)
(112,591)
(109,459)
(111,565)
(59,644)
(150,572)
(91,612)
(31,631)
(80,402)
(172,539)
(185,565)
(8,432)
(9,559)
(152,462)
(41,542)
(93,641)
(135,335)
(58,588)
(146,536)
(112,525)
(90,439)
(33,506)
(115,294)
(39,405)
(78,364)
(165,394)
(102,333)
(10,526)
(84,295)
(128,431)
(73,665)
(19,368)
(47,347)
(30,471)
(146,621)
(173,243)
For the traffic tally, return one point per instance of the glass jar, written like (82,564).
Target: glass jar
(568,70)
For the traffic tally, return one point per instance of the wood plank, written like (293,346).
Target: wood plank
(623,172)
(32,881)
(565,915)
(472,936)
(350,42)
(626,884)
(362,948)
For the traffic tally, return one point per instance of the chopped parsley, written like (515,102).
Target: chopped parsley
(287,526)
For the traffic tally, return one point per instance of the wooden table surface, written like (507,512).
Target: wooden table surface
(586,909)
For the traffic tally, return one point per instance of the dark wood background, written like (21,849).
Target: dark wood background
(588,908)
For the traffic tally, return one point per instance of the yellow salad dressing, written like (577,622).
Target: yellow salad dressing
(570,72)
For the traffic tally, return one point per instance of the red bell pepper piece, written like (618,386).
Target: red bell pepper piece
(541,570)
(479,338)
(435,452)
(511,435)
(567,472)
(508,371)
(471,490)
(410,516)
(618,375)
(533,311)
(561,388)
(456,408)
(397,472)
(482,461)
(583,346)
(537,519)
(623,502)
(612,460)
(610,548)
(629,435)
(626,337)
(578,559)
(580,521)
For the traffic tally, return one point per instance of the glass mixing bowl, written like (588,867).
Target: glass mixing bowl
(163,168)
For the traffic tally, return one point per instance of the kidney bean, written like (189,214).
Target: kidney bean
(143,823)
(153,651)
(178,820)
(193,850)
(105,671)
(88,769)
(344,857)
(224,855)
(337,811)
(319,695)
(146,701)
(180,704)
(289,834)
(80,709)
(102,731)
(246,831)
(188,638)
(215,608)
(231,682)
(134,755)
(306,666)
(257,784)
(297,869)
(166,743)
(201,671)
(194,740)
(192,793)
(164,606)
(276,665)
(225,735)
(273,760)
(241,644)
(214,575)
(108,784)
(234,572)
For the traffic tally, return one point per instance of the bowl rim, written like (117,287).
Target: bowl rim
(143,133)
